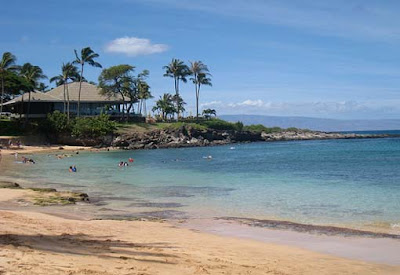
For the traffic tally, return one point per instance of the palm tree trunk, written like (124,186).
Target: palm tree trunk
(79,94)
(64,99)
(177,98)
(198,98)
(123,107)
(67,102)
(197,101)
(29,109)
(22,107)
(2,93)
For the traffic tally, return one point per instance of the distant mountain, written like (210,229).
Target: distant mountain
(321,124)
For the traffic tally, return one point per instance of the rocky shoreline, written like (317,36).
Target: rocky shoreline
(191,137)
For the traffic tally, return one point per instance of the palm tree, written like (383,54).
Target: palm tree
(144,94)
(43,87)
(207,113)
(32,74)
(164,106)
(68,72)
(199,77)
(6,63)
(178,71)
(87,56)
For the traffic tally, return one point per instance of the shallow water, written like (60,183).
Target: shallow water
(350,183)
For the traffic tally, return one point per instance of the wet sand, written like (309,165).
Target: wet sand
(37,243)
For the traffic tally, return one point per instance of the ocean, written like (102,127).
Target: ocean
(347,183)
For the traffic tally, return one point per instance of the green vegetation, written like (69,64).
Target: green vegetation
(177,70)
(10,128)
(87,57)
(6,64)
(93,127)
(262,128)
(207,113)
(68,72)
(32,74)
(82,127)
(200,74)
(116,81)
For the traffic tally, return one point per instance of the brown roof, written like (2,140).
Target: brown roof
(89,93)
(35,97)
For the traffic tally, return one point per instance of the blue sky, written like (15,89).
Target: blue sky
(335,59)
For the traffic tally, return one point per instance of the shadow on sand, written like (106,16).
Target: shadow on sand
(80,244)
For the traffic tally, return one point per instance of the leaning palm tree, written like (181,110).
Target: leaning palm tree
(178,71)
(7,63)
(68,72)
(87,56)
(32,74)
(199,77)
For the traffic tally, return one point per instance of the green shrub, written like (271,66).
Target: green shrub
(10,128)
(56,122)
(262,128)
(239,126)
(92,127)
(218,124)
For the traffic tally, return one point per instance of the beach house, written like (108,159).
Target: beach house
(41,103)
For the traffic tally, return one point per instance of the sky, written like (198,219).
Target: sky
(329,59)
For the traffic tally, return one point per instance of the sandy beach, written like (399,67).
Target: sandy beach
(33,241)
(36,243)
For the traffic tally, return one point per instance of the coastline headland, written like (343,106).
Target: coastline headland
(187,136)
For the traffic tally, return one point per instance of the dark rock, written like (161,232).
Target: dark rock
(12,185)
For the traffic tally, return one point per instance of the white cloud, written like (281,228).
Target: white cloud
(134,46)
(309,108)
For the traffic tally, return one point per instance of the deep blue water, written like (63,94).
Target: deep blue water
(336,182)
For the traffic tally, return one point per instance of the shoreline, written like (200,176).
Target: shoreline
(44,242)
(357,250)
(271,222)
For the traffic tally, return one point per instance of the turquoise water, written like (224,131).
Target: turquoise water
(331,182)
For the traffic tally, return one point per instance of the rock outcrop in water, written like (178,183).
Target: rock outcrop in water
(187,136)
